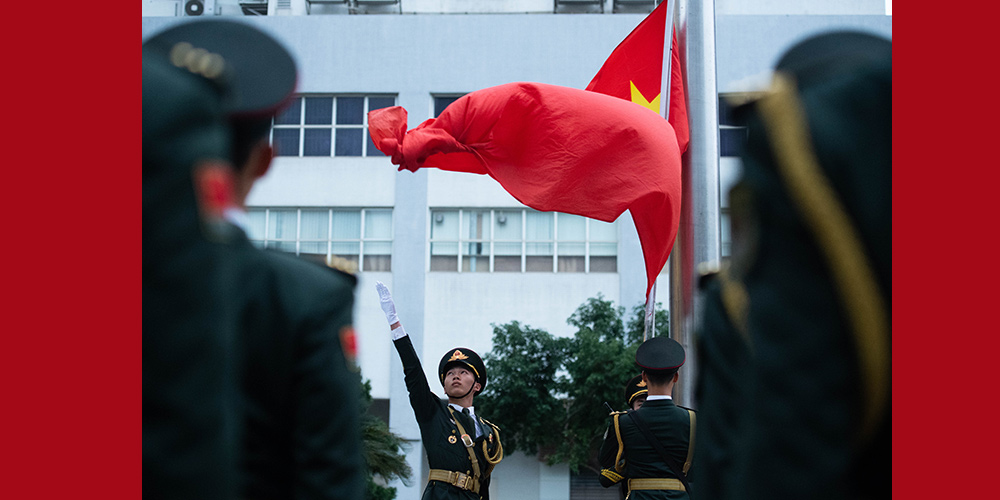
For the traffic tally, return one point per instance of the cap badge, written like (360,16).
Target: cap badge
(457,355)
(197,60)
(642,383)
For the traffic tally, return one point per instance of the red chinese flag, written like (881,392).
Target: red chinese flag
(554,149)
(635,67)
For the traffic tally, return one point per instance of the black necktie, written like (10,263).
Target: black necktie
(473,429)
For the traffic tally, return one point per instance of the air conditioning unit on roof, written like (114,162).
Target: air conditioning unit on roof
(199,7)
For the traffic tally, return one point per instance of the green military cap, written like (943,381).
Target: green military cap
(660,354)
(635,388)
(464,357)
(820,58)
(182,120)
(256,71)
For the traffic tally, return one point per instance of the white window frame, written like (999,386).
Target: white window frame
(332,126)
(361,240)
(490,242)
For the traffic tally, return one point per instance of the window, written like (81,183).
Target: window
(732,136)
(519,240)
(363,236)
(442,101)
(317,125)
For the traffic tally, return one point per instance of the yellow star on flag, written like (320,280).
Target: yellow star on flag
(639,99)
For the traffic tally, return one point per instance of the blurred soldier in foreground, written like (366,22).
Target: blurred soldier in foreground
(651,447)
(301,390)
(462,447)
(189,413)
(812,241)
(722,386)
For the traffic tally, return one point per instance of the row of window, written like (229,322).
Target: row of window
(480,240)
(512,240)
(326,125)
(363,236)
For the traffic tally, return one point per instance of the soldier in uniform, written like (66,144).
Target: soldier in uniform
(635,392)
(650,448)
(462,447)
(300,387)
(189,394)
(812,237)
(635,395)
(723,374)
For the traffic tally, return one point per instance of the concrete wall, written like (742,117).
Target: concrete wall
(801,7)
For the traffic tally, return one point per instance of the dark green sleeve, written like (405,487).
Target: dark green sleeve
(606,457)
(423,401)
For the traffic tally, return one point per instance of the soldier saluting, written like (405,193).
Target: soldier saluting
(651,447)
(462,447)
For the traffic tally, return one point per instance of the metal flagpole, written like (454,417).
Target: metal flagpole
(665,70)
(698,235)
(650,317)
(668,32)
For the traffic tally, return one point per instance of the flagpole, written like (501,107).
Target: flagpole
(698,237)
(650,314)
(668,37)
(650,318)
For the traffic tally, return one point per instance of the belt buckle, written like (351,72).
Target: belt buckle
(462,480)
(467,441)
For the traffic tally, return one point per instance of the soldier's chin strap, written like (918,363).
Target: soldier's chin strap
(467,392)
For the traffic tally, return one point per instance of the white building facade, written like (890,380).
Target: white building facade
(457,251)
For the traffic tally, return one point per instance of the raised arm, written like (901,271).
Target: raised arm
(423,401)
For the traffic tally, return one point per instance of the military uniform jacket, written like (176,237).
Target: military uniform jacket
(724,361)
(302,417)
(441,437)
(188,324)
(670,425)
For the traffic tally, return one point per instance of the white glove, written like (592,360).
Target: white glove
(388,307)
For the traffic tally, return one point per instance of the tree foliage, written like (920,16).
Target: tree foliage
(547,394)
(522,370)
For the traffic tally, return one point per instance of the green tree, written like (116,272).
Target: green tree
(523,383)
(548,393)
(383,451)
